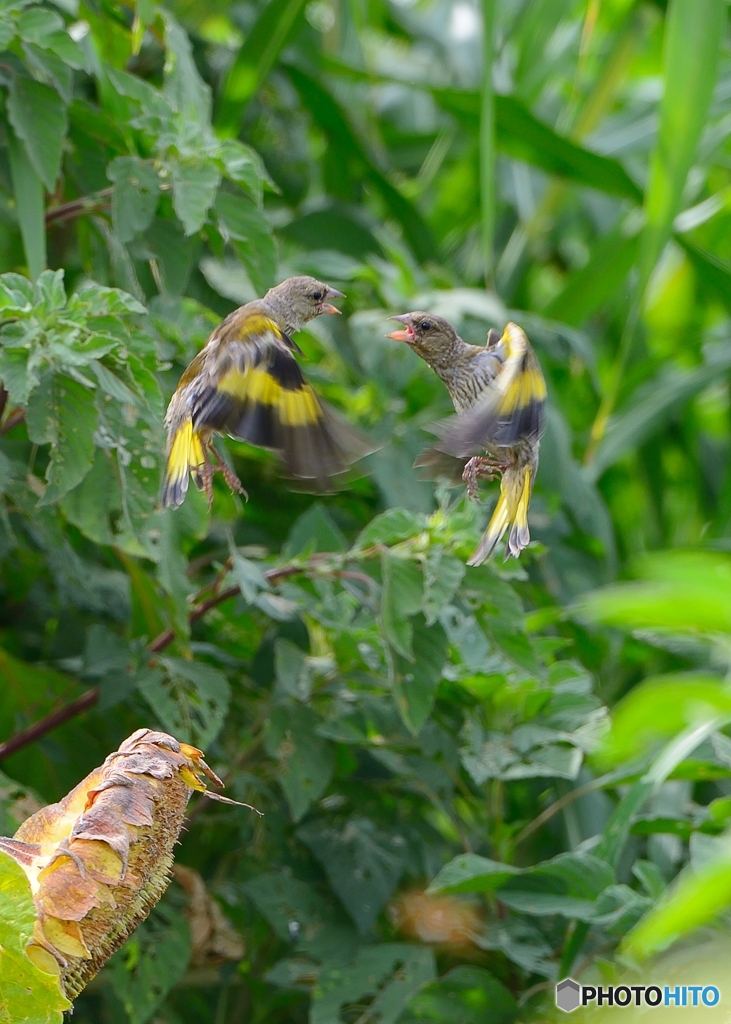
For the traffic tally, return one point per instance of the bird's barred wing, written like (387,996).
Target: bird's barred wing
(258,394)
(513,406)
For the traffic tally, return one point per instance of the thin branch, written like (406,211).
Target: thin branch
(90,697)
(13,419)
(78,207)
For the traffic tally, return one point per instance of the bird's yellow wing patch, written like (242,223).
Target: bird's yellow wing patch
(185,454)
(296,407)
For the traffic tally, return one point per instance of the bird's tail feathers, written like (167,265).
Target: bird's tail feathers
(185,455)
(511,511)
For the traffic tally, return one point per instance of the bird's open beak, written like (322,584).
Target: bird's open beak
(406,335)
(332,293)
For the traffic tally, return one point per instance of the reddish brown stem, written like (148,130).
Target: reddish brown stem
(77,207)
(14,418)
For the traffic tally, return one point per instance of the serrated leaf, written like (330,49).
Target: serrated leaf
(17,380)
(362,864)
(391,972)
(442,576)
(89,505)
(245,226)
(38,116)
(190,698)
(194,190)
(306,760)
(135,195)
(62,412)
(389,527)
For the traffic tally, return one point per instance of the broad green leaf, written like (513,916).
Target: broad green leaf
(189,698)
(391,972)
(464,995)
(306,761)
(470,873)
(362,863)
(702,578)
(62,412)
(567,885)
(693,34)
(194,189)
(389,527)
(298,913)
(135,195)
(442,576)
(255,59)
(245,226)
(17,379)
(402,597)
(28,189)
(314,531)
(184,87)
(89,505)
(39,118)
(27,993)
(662,707)
(416,679)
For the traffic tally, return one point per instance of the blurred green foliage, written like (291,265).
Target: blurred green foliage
(402,721)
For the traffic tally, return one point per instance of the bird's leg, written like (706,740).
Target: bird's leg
(204,475)
(228,474)
(481,467)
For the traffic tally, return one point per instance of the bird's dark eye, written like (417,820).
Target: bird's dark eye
(318,296)
(426,325)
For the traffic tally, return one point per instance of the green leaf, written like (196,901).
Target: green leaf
(566,885)
(416,680)
(28,190)
(62,412)
(17,380)
(401,598)
(38,116)
(184,87)
(89,505)
(243,224)
(26,993)
(389,527)
(190,698)
(464,995)
(652,405)
(693,34)
(255,59)
(390,972)
(442,576)
(135,195)
(697,899)
(471,873)
(150,963)
(194,190)
(662,707)
(362,864)
(332,120)
(588,289)
(306,761)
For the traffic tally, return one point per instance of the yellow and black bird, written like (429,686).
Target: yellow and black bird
(499,394)
(246,382)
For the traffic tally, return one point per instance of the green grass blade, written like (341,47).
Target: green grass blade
(487,138)
(693,34)
(28,190)
(255,59)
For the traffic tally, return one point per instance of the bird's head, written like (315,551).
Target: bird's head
(431,336)
(301,299)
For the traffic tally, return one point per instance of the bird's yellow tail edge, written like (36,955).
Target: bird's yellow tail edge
(185,453)
(508,512)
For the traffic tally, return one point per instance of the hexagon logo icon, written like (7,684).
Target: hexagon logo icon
(568,995)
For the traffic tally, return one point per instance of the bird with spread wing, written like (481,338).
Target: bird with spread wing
(246,382)
(499,394)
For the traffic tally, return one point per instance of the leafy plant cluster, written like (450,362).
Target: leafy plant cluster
(455,815)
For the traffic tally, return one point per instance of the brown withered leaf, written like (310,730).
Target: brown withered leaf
(214,939)
(100,859)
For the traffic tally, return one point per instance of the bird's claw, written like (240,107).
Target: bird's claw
(481,467)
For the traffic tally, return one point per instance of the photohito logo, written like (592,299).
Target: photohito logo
(570,995)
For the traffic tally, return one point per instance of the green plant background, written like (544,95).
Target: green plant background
(400,720)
